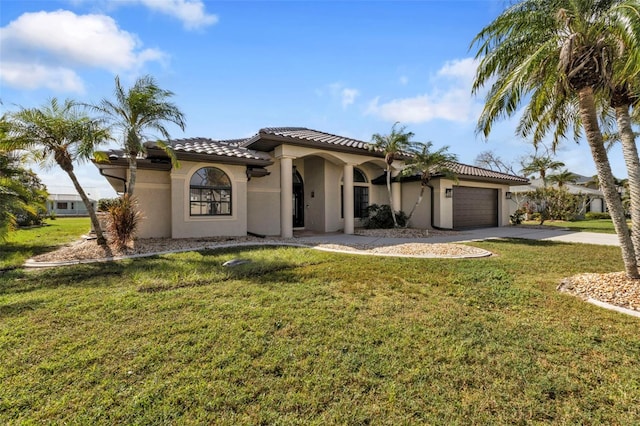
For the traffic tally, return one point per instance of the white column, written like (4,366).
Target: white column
(286,197)
(347,198)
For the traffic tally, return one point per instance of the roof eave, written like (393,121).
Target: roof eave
(194,156)
(268,142)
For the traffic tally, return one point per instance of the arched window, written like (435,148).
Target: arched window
(210,193)
(360,194)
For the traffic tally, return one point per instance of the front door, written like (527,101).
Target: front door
(298,200)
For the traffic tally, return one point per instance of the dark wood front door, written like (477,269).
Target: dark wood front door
(298,200)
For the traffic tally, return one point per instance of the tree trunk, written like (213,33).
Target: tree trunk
(607,184)
(133,169)
(630,153)
(92,213)
(417,203)
(393,213)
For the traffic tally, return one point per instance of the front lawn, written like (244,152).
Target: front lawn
(27,242)
(604,226)
(299,336)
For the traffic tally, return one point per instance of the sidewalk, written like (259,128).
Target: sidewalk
(546,234)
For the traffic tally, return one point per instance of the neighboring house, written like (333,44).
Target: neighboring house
(67,205)
(594,199)
(289,178)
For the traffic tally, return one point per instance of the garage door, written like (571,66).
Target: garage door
(474,207)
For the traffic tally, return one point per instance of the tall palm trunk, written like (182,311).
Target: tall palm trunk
(133,169)
(393,213)
(418,201)
(92,213)
(630,153)
(611,197)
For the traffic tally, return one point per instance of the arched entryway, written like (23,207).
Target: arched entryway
(298,200)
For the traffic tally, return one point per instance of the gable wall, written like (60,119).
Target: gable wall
(153,192)
(183,225)
(263,203)
(421,218)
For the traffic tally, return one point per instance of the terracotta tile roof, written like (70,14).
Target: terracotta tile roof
(463,171)
(473,171)
(304,136)
(225,148)
(237,150)
(316,136)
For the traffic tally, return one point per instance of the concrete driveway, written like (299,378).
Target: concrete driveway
(545,234)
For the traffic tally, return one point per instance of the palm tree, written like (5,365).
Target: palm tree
(61,134)
(558,50)
(563,177)
(135,111)
(540,165)
(14,195)
(393,146)
(622,98)
(428,164)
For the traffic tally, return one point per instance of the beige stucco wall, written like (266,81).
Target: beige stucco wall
(421,218)
(153,191)
(314,193)
(263,203)
(333,176)
(442,206)
(186,226)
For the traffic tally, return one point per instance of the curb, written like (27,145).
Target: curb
(30,263)
(611,307)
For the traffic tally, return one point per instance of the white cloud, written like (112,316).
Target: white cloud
(448,98)
(54,43)
(346,95)
(465,69)
(191,12)
(33,76)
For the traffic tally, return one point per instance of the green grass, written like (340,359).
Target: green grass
(604,226)
(299,336)
(25,243)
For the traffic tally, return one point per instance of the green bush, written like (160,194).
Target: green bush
(597,216)
(104,204)
(379,217)
(517,217)
(123,219)
(556,204)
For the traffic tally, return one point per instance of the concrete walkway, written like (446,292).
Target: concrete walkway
(530,233)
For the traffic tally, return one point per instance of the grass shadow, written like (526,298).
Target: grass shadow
(19,308)
(78,276)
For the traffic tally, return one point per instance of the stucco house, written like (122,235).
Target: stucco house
(67,205)
(289,178)
(593,198)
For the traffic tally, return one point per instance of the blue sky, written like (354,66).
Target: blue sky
(351,68)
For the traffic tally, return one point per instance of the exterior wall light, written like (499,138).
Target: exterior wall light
(448,193)
(507,195)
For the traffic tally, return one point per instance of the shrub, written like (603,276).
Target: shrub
(379,217)
(517,217)
(597,216)
(104,204)
(557,204)
(123,219)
